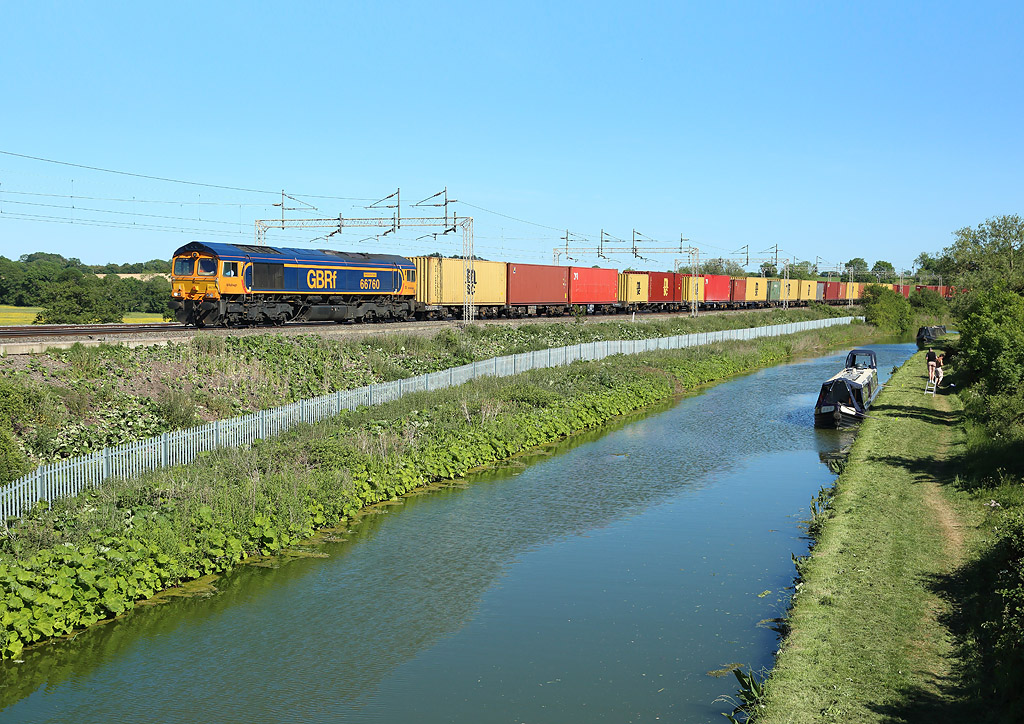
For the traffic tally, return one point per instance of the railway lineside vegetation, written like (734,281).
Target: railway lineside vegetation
(94,556)
(65,403)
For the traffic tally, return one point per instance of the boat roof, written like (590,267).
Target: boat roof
(853,375)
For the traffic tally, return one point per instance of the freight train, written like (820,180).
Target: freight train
(239,284)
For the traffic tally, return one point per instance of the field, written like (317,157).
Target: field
(24,315)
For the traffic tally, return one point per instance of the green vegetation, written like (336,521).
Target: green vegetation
(93,557)
(70,292)
(869,638)
(886,309)
(911,606)
(87,398)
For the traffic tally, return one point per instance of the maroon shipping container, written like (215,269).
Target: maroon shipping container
(677,288)
(537,284)
(662,286)
(835,291)
(716,287)
(738,290)
(593,286)
(903,289)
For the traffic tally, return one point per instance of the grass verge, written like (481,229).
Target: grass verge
(64,403)
(877,628)
(94,556)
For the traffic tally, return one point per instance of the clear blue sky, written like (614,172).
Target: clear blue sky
(833,130)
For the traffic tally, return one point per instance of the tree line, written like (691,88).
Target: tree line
(71,292)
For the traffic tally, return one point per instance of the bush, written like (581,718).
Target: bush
(13,463)
(886,309)
(991,348)
(930,302)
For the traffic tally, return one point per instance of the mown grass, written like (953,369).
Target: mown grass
(872,629)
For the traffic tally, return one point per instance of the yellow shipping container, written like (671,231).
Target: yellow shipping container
(693,288)
(789,290)
(757,289)
(441,281)
(808,290)
(633,288)
(852,291)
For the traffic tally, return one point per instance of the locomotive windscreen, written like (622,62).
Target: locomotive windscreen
(267,276)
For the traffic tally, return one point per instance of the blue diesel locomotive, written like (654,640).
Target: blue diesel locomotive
(240,284)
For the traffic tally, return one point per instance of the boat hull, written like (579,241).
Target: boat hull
(833,418)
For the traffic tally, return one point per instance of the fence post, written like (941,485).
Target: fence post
(165,450)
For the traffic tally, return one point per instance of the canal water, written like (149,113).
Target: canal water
(600,580)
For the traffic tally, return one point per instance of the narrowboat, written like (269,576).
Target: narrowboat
(928,335)
(845,397)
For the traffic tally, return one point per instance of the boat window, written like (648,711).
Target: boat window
(207,267)
(184,266)
(838,392)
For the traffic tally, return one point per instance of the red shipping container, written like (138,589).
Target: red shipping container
(677,289)
(716,287)
(593,286)
(537,284)
(835,291)
(662,286)
(738,290)
(903,289)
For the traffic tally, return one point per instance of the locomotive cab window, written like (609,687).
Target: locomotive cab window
(231,268)
(207,267)
(184,266)
(410,274)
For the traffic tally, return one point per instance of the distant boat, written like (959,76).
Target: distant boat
(927,335)
(844,398)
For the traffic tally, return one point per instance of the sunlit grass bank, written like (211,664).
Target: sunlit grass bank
(874,626)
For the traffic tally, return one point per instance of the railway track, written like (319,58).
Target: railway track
(76,330)
(51,331)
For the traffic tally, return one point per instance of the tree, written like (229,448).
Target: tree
(884,272)
(886,309)
(929,301)
(857,266)
(768,269)
(981,257)
(721,266)
(992,339)
(801,270)
(81,299)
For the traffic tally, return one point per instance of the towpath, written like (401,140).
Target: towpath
(871,633)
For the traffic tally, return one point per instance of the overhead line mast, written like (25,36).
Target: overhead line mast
(395,222)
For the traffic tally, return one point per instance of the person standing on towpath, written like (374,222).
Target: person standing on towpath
(931,359)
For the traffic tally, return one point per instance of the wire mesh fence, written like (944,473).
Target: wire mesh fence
(69,477)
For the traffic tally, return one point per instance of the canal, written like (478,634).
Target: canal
(600,580)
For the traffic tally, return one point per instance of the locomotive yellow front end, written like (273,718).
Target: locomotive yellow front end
(195,288)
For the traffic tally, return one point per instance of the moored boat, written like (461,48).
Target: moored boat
(845,397)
